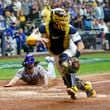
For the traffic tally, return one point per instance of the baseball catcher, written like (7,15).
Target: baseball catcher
(63,40)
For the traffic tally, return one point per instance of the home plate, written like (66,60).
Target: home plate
(102,95)
(81,95)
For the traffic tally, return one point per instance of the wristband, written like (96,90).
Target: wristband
(77,54)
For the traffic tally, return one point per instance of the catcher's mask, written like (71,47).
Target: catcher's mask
(29,61)
(60,19)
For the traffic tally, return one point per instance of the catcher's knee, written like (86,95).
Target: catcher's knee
(82,85)
(63,58)
(69,64)
(88,85)
(90,92)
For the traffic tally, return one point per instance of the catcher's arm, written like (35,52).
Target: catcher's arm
(12,82)
(35,37)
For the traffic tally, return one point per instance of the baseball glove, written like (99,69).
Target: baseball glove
(71,65)
(74,64)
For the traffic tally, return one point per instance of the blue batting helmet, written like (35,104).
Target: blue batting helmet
(29,59)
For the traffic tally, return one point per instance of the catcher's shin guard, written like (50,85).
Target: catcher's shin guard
(90,92)
(86,86)
(67,70)
(69,67)
(69,80)
(80,84)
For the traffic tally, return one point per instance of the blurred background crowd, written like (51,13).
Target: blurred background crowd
(22,16)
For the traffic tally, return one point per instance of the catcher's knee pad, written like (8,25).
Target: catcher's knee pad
(87,85)
(63,58)
(69,64)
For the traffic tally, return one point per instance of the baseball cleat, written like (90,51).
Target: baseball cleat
(72,92)
(49,59)
(91,93)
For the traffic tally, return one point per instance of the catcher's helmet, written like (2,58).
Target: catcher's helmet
(29,59)
(60,18)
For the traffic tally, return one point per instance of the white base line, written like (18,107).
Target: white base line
(98,82)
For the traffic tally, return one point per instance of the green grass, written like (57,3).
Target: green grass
(98,55)
(7,73)
(85,68)
(94,68)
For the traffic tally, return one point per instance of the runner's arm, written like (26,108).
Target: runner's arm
(12,82)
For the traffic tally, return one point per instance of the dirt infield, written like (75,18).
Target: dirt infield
(25,97)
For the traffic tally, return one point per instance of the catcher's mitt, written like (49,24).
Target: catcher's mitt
(71,65)
(74,64)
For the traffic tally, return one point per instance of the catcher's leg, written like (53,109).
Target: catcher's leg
(69,67)
(86,86)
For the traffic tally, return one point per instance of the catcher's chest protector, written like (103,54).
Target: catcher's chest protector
(58,41)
